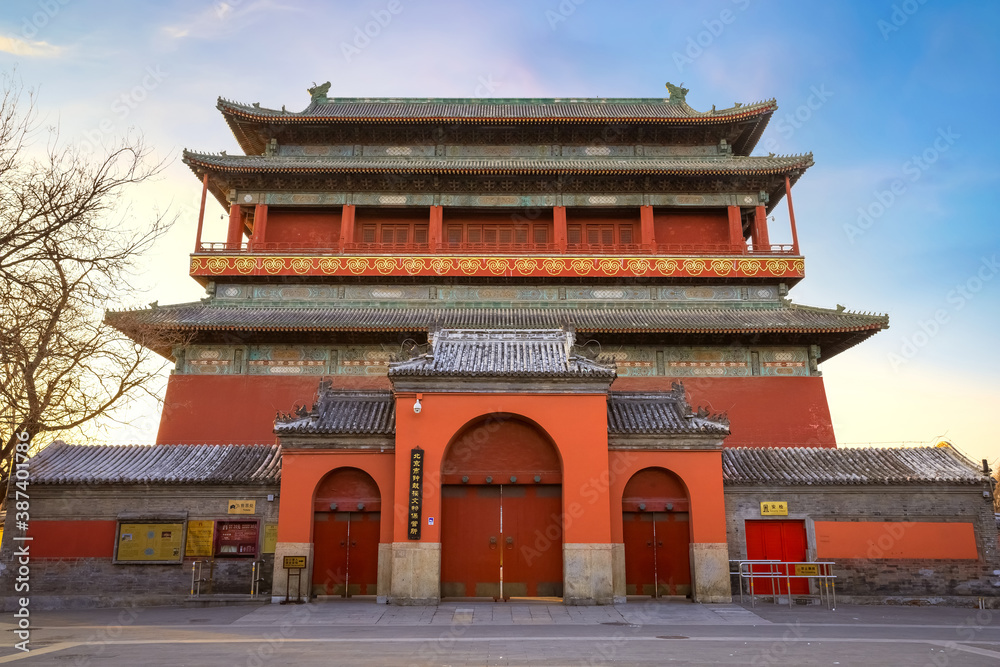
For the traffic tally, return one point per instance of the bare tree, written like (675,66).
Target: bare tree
(68,249)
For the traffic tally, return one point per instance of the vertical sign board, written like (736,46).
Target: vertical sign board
(416,491)
(199,538)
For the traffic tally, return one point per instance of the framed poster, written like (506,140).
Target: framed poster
(236,538)
(199,538)
(149,542)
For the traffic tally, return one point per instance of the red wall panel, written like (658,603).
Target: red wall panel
(895,539)
(238,409)
(697,226)
(72,539)
(763,411)
(314,227)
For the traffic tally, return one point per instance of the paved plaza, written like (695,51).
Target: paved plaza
(517,633)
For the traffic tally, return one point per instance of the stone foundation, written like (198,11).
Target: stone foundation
(588,573)
(279,589)
(416,573)
(710,572)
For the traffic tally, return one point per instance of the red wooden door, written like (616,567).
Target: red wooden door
(345,553)
(470,541)
(777,540)
(657,559)
(477,550)
(531,532)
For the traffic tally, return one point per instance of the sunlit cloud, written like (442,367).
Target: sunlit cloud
(28,49)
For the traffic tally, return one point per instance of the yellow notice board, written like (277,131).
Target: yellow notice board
(199,538)
(145,542)
(270,538)
(806,570)
(774,508)
(242,507)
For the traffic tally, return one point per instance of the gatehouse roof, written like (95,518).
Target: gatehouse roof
(343,413)
(788,466)
(501,352)
(60,463)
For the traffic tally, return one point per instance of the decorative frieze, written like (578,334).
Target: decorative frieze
(211,265)
(630,361)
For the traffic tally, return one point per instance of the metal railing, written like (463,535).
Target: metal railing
(197,576)
(256,576)
(775,572)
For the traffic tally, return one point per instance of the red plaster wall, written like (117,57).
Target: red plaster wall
(219,409)
(240,409)
(72,539)
(895,539)
(699,471)
(307,226)
(695,226)
(576,423)
(763,411)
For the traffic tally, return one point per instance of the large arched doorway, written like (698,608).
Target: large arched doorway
(346,516)
(656,523)
(501,512)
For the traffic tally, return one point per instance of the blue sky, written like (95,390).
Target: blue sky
(895,100)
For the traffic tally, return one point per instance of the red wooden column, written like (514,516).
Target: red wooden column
(259,225)
(760,229)
(201,212)
(646,226)
(736,230)
(235,235)
(791,216)
(559,224)
(436,227)
(346,226)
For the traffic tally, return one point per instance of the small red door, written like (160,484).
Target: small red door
(657,558)
(532,541)
(777,540)
(346,553)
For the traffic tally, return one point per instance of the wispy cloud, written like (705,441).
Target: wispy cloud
(220,17)
(29,49)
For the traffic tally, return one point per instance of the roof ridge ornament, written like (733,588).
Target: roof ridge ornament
(678,94)
(318,93)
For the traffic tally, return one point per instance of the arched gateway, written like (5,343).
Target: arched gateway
(501,519)
(346,515)
(656,526)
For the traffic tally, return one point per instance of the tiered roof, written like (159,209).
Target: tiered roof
(839,329)
(253,125)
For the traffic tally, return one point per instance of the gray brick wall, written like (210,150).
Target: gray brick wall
(881,577)
(101,579)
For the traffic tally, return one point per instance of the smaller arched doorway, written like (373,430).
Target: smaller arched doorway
(346,518)
(656,527)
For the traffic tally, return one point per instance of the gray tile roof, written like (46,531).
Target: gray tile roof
(60,463)
(343,413)
(501,352)
(476,109)
(790,466)
(653,414)
(843,328)
(701,166)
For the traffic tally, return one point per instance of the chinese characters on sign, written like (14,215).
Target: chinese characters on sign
(774,508)
(416,487)
(242,506)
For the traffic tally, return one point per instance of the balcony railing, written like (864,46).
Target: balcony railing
(273,248)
